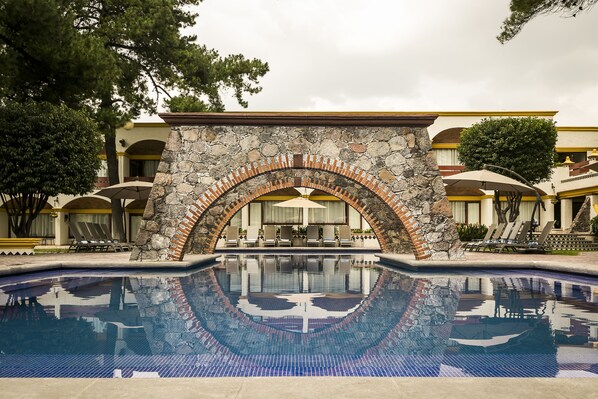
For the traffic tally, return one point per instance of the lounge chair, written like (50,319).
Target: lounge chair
(232,264)
(96,242)
(270,236)
(476,245)
(269,264)
(344,264)
(539,245)
(252,265)
(519,239)
(286,264)
(474,242)
(232,236)
(328,237)
(252,236)
(313,236)
(312,263)
(328,265)
(99,233)
(286,236)
(344,236)
(501,238)
(108,235)
(79,242)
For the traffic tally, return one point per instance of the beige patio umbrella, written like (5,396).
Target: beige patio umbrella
(485,180)
(135,190)
(128,190)
(301,202)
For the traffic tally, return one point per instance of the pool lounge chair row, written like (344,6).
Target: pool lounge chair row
(512,236)
(94,237)
(270,238)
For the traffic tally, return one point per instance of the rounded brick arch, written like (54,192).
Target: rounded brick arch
(298,161)
(304,182)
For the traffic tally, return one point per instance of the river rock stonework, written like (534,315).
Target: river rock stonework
(214,164)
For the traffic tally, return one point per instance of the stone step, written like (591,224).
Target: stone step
(574,242)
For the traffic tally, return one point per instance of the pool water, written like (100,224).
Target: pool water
(299,315)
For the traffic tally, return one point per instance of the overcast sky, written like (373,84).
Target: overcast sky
(408,55)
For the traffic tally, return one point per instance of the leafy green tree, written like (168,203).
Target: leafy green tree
(117,58)
(523,145)
(46,150)
(522,11)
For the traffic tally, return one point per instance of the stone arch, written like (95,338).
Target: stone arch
(386,242)
(297,162)
(208,155)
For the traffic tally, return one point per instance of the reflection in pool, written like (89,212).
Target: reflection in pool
(299,315)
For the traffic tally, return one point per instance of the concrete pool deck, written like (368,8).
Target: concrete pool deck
(583,263)
(302,387)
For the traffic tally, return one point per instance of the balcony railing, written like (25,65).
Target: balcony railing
(578,168)
(448,170)
(102,181)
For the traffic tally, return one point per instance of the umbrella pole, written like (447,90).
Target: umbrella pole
(524,181)
(126,239)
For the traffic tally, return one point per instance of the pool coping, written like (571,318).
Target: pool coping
(195,262)
(405,262)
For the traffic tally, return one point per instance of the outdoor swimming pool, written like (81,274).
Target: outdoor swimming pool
(298,315)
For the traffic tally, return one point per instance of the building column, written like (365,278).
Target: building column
(486,211)
(244,283)
(365,281)
(123,166)
(566,213)
(305,277)
(61,231)
(486,286)
(548,214)
(245,217)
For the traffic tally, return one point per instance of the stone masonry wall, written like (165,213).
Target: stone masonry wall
(208,172)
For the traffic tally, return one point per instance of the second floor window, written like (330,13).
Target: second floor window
(446,156)
(143,168)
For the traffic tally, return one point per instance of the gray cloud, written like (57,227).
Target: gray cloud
(408,55)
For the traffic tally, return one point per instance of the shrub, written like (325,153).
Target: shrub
(470,232)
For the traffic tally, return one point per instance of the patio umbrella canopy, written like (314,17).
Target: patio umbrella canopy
(301,202)
(129,190)
(485,180)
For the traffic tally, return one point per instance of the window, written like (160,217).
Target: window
(277,215)
(42,226)
(446,156)
(525,211)
(334,213)
(143,168)
(466,212)
(103,171)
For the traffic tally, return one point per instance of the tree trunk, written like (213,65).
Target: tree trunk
(22,209)
(112,160)
(501,213)
(514,200)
